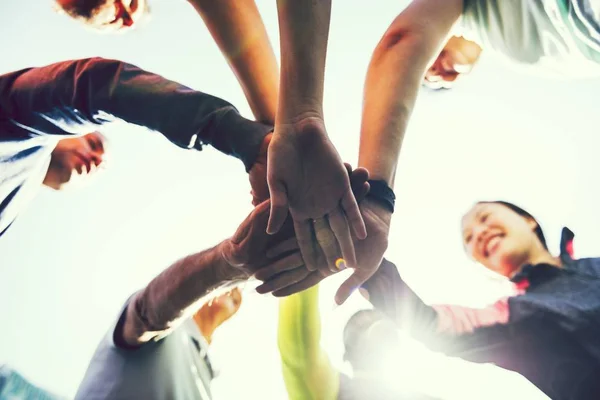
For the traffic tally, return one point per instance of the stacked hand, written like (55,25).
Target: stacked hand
(369,254)
(250,248)
(309,159)
(306,176)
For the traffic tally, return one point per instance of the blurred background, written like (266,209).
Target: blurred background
(72,259)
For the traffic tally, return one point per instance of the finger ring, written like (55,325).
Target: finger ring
(340,263)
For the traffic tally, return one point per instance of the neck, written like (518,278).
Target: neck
(540,256)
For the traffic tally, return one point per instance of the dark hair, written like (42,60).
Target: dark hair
(82,9)
(538,230)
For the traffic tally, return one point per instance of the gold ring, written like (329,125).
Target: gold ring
(340,263)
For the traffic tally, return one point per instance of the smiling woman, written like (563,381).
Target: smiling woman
(544,331)
(502,237)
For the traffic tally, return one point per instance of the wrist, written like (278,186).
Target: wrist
(299,113)
(240,138)
(261,158)
(382,194)
(226,272)
(379,210)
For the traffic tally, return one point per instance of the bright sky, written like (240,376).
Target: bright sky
(72,259)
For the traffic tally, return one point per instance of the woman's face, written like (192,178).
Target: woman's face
(497,237)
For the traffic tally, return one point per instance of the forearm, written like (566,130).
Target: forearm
(304,31)
(307,371)
(175,294)
(389,294)
(393,80)
(238,29)
(70,95)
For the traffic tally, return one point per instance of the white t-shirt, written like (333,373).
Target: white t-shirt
(175,367)
(558,37)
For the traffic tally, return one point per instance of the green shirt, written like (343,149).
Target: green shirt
(307,371)
(558,36)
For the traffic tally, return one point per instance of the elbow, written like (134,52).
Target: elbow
(98,70)
(394,41)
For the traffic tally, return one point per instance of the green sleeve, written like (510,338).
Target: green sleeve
(307,371)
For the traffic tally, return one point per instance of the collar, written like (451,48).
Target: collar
(535,273)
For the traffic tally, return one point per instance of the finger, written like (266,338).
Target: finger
(348,168)
(351,284)
(341,230)
(308,282)
(328,242)
(307,243)
(242,232)
(355,220)
(279,208)
(358,185)
(359,175)
(283,280)
(361,192)
(287,263)
(283,247)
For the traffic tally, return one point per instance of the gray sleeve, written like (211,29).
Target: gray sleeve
(79,95)
(161,370)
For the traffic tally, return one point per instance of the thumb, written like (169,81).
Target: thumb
(228,253)
(279,208)
(354,282)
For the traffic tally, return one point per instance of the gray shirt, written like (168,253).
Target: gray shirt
(175,367)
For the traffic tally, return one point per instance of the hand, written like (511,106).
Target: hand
(248,250)
(369,254)
(381,288)
(370,251)
(288,282)
(306,176)
(258,174)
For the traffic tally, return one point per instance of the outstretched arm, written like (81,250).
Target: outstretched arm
(392,296)
(394,77)
(305,173)
(307,371)
(238,30)
(78,95)
(179,290)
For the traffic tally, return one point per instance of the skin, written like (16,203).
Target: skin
(502,240)
(212,314)
(75,160)
(305,173)
(457,58)
(302,172)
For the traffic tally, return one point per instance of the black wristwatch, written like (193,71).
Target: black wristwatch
(382,193)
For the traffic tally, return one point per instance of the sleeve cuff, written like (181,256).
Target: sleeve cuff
(240,137)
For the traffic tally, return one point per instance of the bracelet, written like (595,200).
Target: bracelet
(381,192)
